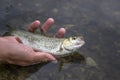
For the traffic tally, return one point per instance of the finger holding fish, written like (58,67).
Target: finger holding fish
(46,26)
(33,26)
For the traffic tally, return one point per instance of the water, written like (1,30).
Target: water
(98,21)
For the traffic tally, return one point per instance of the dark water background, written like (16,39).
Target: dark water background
(97,20)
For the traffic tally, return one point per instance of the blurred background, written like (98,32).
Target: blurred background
(97,20)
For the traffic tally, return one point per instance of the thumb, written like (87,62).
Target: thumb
(18,39)
(42,56)
(13,39)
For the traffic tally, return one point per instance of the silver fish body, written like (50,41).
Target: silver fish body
(55,46)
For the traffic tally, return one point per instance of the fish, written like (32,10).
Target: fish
(55,46)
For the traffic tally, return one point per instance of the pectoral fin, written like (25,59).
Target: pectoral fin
(60,50)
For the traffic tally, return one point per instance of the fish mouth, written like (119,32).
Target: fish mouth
(82,38)
(81,43)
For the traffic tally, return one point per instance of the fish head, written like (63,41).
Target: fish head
(73,43)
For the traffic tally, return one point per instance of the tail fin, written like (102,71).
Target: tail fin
(8,32)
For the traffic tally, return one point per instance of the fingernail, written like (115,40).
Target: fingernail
(51,19)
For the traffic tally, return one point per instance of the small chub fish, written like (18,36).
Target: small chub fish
(54,46)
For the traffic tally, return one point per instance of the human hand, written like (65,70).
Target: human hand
(46,27)
(14,52)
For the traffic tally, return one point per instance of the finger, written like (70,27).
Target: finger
(14,39)
(42,56)
(17,62)
(34,26)
(47,25)
(60,33)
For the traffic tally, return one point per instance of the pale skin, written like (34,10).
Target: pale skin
(13,51)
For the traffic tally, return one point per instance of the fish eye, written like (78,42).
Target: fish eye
(74,38)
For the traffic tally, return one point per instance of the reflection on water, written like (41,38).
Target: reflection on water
(97,21)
